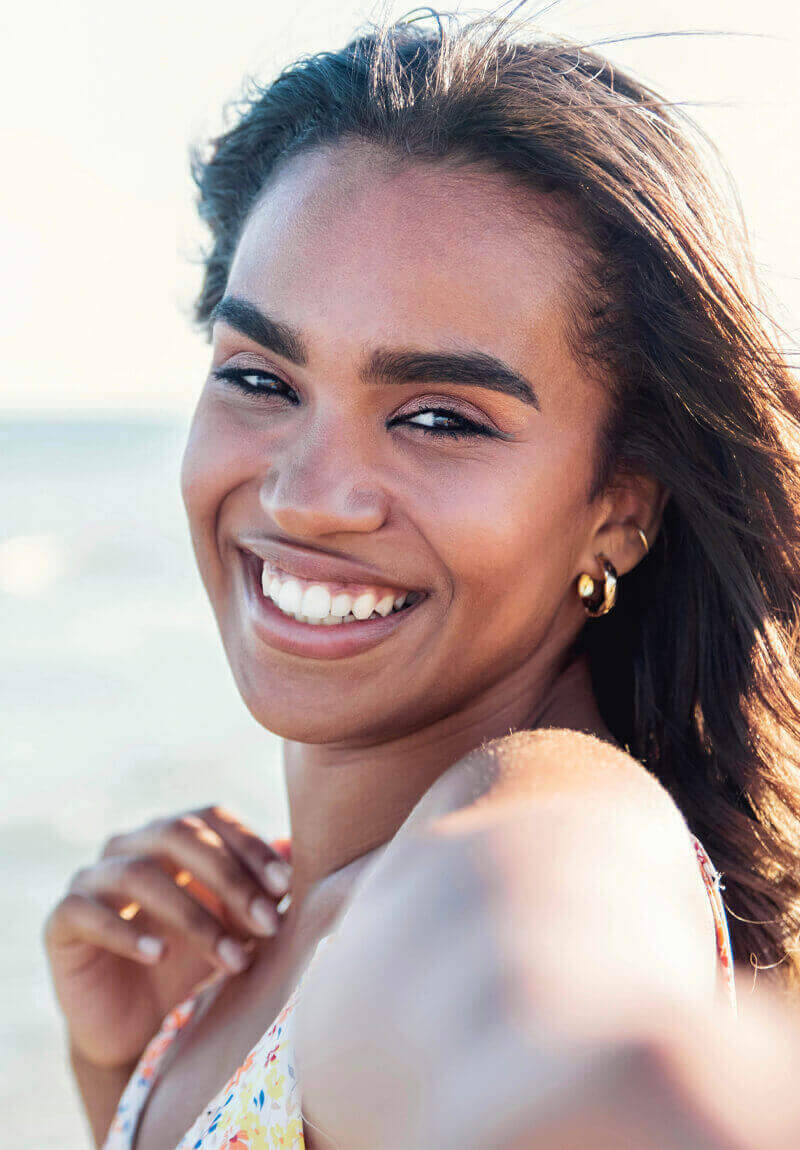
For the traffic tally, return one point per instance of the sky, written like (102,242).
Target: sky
(99,239)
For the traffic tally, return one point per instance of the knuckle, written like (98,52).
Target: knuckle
(155,827)
(136,870)
(57,912)
(216,813)
(79,881)
(111,846)
(70,904)
(191,830)
(182,828)
(65,910)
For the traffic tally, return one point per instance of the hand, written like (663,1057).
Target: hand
(193,889)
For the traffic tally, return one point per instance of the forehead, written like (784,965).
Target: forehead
(347,243)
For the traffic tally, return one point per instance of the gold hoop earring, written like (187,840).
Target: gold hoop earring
(643,538)
(599,599)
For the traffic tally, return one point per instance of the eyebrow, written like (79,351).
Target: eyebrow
(385,365)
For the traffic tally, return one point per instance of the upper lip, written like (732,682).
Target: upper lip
(316,565)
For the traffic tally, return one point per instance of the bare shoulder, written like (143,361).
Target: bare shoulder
(554,767)
(577,806)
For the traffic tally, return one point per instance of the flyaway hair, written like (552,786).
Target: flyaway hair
(696,669)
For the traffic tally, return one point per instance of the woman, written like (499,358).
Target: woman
(492,488)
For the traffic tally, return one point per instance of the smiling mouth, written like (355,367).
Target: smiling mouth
(318,603)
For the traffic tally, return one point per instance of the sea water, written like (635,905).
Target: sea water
(116,705)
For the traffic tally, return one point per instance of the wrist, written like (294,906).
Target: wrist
(100,1088)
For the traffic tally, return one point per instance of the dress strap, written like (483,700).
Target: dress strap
(711,878)
(123,1128)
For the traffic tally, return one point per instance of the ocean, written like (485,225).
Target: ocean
(116,706)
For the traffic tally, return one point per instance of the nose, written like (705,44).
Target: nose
(323,487)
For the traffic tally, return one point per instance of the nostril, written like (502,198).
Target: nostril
(302,503)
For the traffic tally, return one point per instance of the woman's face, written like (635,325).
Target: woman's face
(392,408)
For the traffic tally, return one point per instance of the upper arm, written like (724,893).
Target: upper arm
(593,860)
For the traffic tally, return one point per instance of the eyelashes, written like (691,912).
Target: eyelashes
(466,427)
(244,380)
(239,377)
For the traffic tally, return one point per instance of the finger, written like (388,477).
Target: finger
(269,866)
(282,848)
(191,844)
(141,880)
(78,918)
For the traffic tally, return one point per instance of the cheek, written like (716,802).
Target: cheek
(511,533)
(215,463)
(201,471)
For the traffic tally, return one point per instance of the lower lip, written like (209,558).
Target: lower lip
(313,640)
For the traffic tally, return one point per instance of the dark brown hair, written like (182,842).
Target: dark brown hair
(696,668)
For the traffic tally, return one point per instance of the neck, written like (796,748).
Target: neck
(346,802)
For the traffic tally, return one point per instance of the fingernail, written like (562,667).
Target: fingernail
(232,954)
(277,875)
(263,915)
(149,947)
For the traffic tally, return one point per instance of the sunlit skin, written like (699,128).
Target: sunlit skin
(357,255)
(361,256)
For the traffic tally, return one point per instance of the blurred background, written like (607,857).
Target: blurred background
(116,704)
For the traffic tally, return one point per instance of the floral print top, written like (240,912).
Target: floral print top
(258,1108)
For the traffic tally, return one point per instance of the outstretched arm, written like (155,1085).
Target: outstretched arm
(514,959)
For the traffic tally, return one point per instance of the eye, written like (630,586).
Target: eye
(443,421)
(254,383)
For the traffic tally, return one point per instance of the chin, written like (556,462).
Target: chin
(299,727)
(316,713)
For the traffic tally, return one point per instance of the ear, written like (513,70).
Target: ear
(632,499)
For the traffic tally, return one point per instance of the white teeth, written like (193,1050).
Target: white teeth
(290,596)
(270,584)
(316,602)
(364,605)
(341,605)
